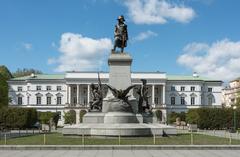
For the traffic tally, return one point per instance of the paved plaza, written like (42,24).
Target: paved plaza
(120,153)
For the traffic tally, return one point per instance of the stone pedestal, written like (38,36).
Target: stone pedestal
(120,70)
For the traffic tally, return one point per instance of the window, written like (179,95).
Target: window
(74,90)
(74,100)
(48,100)
(209,89)
(38,100)
(182,89)
(59,88)
(48,87)
(210,101)
(172,100)
(192,88)
(173,88)
(19,101)
(19,89)
(59,100)
(156,100)
(192,100)
(84,91)
(38,87)
(182,100)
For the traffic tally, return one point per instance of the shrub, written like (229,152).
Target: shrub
(158,114)
(174,115)
(81,114)
(70,117)
(212,118)
(21,118)
(45,117)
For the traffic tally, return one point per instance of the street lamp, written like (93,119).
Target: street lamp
(234,118)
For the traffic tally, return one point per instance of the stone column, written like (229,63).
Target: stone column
(153,96)
(88,94)
(163,94)
(77,116)
(69,94)
(77,95)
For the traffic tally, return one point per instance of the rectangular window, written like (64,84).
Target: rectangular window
(192,100)
(209,89)
(192,88)
(48,87)
(182,89)
(156,100)
(48,100)
(19,101)
(173,88)
(74,90)
(59,100)
(19,89)
(39,88)
(182,100)
(172,100)
(38,100)
(210,102)
(74,100)
(59,88)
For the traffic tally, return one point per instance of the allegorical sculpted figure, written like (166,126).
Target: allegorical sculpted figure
(120,34)
(143,103)
(97,94)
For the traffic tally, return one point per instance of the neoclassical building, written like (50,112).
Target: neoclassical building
(71,91)
(231,93)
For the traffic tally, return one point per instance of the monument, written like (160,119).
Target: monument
(119,113)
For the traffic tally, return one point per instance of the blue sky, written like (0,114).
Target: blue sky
(173,36)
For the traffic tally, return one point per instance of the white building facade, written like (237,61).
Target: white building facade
(231,93)
(71,91)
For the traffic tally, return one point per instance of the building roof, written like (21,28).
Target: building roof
(62,76)
(189,78)
(40,77)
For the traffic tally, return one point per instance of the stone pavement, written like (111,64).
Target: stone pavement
(120,153)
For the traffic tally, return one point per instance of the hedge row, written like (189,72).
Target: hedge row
(11,118)
(213,118)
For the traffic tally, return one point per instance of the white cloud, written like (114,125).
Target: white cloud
(158,11)
(220,60)
(144,35)
(81,53)
(27,46)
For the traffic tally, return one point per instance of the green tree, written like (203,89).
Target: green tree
(70,117)
(25,72)
(81,114)
(5,75)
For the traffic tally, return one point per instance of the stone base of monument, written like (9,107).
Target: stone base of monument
(123,129)
(122,117)
(94,117)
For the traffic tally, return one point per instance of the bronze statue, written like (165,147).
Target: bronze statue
(120,34)
(97,94)
(143,103)
(121,94)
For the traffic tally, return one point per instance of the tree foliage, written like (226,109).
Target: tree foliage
(82,113)
(5,75)
(212,118)
(158,114)
(21,118)
(174,115)
(70,117)
(25,72)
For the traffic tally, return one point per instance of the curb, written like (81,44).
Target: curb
(119,147)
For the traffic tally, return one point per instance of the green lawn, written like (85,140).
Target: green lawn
(59,139)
